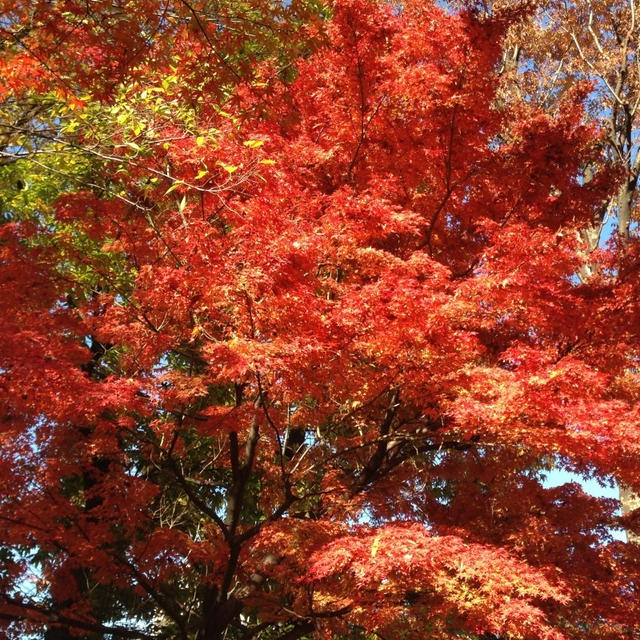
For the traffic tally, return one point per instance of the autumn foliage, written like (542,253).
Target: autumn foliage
(295,333)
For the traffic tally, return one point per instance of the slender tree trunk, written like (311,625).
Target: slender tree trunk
(625,200)
(629,501)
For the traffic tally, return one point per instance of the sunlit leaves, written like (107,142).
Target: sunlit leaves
(290,343)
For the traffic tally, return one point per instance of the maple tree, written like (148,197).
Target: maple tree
(293,329)
(562,44)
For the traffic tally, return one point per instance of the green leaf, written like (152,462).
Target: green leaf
(173,187)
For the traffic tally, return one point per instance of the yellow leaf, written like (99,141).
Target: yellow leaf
(229,168)
(253,144)
(375,546)
(267,161)
(173,187)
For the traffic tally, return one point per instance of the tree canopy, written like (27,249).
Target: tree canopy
(300,305)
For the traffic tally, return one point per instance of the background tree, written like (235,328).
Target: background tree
(563,45)
(292,348)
